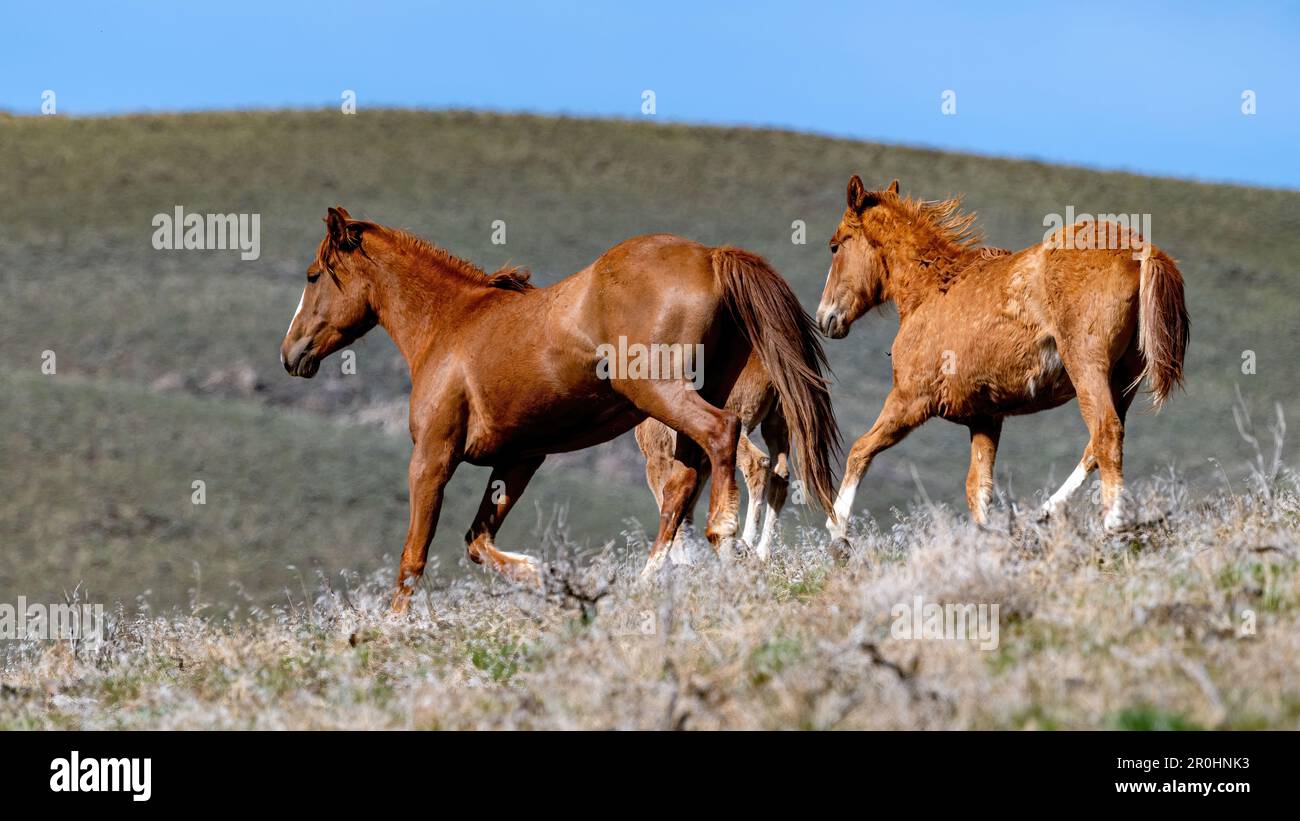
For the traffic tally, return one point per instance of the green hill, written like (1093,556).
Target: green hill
(168,368)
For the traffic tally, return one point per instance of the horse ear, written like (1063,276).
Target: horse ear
(893,187)
(857,194)
(341,235)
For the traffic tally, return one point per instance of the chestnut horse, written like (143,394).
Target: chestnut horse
(503,374)
(984,333)
(754,400)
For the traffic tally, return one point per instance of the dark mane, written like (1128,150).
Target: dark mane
(512,278)
(945,219)
(507,278)
(947,241)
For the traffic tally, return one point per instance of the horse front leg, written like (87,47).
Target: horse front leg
(431,467)
(755,466)
(897,419)
(984,435)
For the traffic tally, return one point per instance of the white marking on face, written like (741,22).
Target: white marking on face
(297,311)
(822,306)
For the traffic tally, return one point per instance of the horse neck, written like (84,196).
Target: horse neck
(414,303)
(921,267)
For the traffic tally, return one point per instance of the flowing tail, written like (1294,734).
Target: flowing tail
(1163,324)
(783,335)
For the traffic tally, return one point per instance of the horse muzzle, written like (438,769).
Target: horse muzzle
(832,324)
(299,360)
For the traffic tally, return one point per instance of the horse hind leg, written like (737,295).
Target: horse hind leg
(713,430)
(1123,389)
(1073,482)
(1103,403)
(658,443)
(678,550)
(1108,447)
(505,486)
(680,492)
(776,435)
(1122,392)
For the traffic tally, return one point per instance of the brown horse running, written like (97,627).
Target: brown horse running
(503,373)
(754,400)
(984,333)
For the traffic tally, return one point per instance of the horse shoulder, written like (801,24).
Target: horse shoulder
(439,405)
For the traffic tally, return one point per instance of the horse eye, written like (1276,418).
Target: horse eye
(835,246)
(312,276)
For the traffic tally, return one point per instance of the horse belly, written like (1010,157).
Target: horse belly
(587,431)
(557,427)
(994,385)
(1042,384)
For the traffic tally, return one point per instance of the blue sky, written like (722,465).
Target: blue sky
(1149,87)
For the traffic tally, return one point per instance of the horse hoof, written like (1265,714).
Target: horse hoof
(1118,526)
(840,549)
(1119,519)
(653,566)
(679,554)
(520,569)
(732,549)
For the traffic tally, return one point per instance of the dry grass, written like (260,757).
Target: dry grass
(1145,630)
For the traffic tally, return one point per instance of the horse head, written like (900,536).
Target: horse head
(336,305)
(857,279)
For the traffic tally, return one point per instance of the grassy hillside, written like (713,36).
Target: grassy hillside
(167,361)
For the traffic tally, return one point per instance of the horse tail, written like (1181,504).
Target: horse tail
(1163,324)
(783,335)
